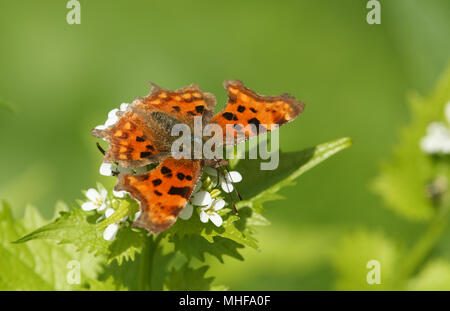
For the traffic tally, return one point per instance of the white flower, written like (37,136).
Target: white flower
(106,169)
(109,211)
(96,200)
(120,194)
(124,106)
(109,169)
(137,215)
(437,139)
(110,232)
(226,179)
(200,198)
(209,212)
(186,212)
(112,117)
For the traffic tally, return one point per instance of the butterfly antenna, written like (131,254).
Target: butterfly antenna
(100,148)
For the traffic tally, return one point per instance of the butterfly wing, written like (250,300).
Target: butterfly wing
(246,110)
(142,133)
(182,104)
(162,192)
(132,143)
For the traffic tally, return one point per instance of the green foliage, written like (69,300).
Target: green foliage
(188,279)
(39,264)
(414,184)
(291,166)
(402,179)
(132,257)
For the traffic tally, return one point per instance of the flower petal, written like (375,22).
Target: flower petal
(234,176)
(203,216)
(226,185)
(201,198)
(109,211)
(102,207)
(92,194)
(124,106)
(110,232)
(106,169)
(186,212)
(112,117)
(103,193)
(136,216)
(120,194)
(216,219)
(88,206)
(218,204)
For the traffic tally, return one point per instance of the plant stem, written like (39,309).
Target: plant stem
(146,263)
(425,244)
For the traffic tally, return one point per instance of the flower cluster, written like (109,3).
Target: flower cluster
(437,140)
(99,201)
(209,202)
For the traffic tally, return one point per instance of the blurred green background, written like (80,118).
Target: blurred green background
(60,80)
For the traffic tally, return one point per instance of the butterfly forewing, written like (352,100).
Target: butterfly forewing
(250,113)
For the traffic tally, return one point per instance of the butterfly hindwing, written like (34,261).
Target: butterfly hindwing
(162,192)
(248,110)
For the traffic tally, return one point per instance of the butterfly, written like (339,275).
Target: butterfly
(141,136)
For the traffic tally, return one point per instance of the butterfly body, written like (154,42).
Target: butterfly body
(142,135)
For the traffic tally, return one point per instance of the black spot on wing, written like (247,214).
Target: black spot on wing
(145,154)
(180,191)
(200,109)
(156,182)
(228,115)
(165,170)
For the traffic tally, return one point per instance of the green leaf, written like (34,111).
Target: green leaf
(196,246)
(78,227)
(38,265)
(403,179)
(128,242)
(188,279)
(72,227)
(208,231)
(263,186)
(105,285)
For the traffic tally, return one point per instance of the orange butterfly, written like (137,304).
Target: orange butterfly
(142,136)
